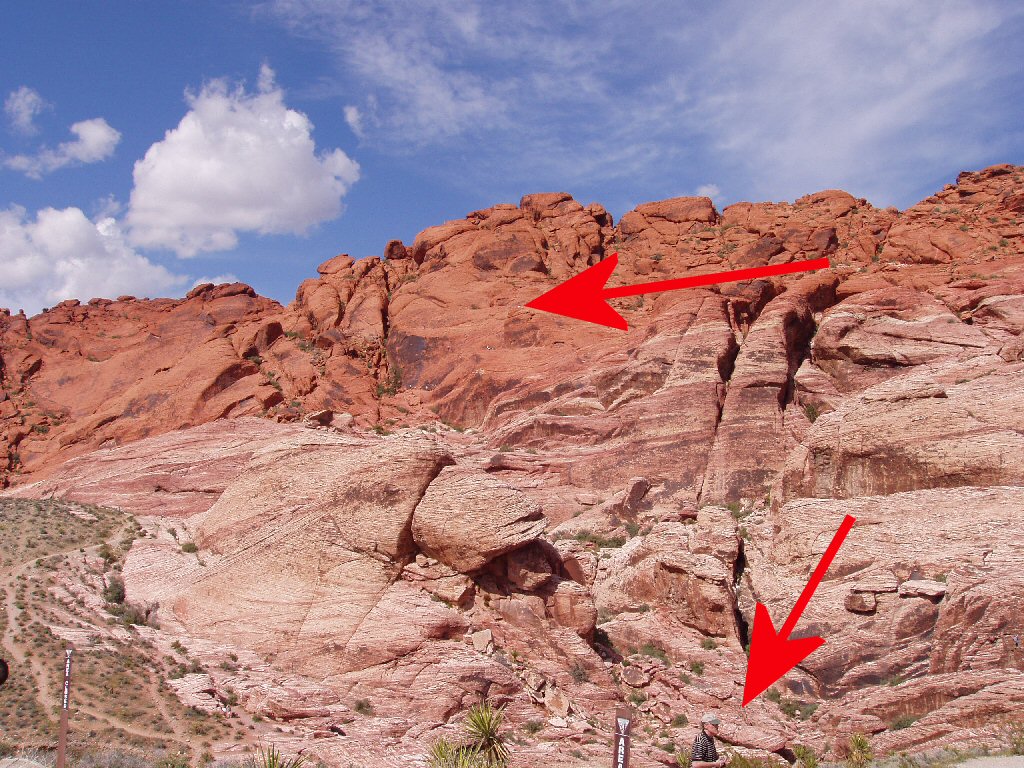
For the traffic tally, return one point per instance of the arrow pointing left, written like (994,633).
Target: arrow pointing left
(584,297)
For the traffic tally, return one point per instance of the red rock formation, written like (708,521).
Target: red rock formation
(570,515)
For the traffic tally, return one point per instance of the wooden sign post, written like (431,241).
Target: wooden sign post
(620,745)
(62,743)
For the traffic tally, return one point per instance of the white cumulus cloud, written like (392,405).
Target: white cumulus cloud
(237,162)
(21,107)
(61,254)
(95,141)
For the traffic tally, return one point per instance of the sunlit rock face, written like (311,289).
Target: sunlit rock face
(408,488)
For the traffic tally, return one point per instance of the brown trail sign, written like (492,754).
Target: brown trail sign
(620,745)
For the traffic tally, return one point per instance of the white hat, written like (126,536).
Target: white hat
(710,719)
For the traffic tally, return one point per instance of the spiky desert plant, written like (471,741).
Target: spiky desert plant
(483,724)
(445,754)
(859,754)
(271,757)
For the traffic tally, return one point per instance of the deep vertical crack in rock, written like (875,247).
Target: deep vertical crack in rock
(739,566)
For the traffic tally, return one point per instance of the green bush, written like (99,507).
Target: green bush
(189,547)
(114,591)
(650,649)
(901,722)
(697,667)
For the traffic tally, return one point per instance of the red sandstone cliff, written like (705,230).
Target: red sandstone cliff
(723,438)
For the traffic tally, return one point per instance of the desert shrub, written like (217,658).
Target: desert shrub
(679,721)
(650,649)
(1015,738)
(794,708)
(112,758)
(806,756)
(363,707)
(533,726)
(135,613)
(579,673)
(708,644)
(114,591)
(177,760)
(601,542)
(107,553)
(697,667)
(742,761)
(189,547)
(901,722)
(859,752)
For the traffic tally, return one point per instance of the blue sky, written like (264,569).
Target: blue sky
(145,146)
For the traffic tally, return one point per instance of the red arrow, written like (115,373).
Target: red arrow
(584,296)
(773,655)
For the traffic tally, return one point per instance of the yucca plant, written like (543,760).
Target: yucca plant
(271,757)
(483,723)
(484,746)
(445,754)
(860,754)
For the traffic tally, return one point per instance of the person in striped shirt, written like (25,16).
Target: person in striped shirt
(705,751)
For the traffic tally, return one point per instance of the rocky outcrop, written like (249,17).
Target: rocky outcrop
(563,517)
(466,519)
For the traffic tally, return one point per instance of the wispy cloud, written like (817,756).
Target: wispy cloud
(21,107)
(709,190)
(237,162)
(227,277)
(802,95)
(771,100)
(95,141)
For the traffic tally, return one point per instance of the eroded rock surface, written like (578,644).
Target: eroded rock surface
(563,517)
